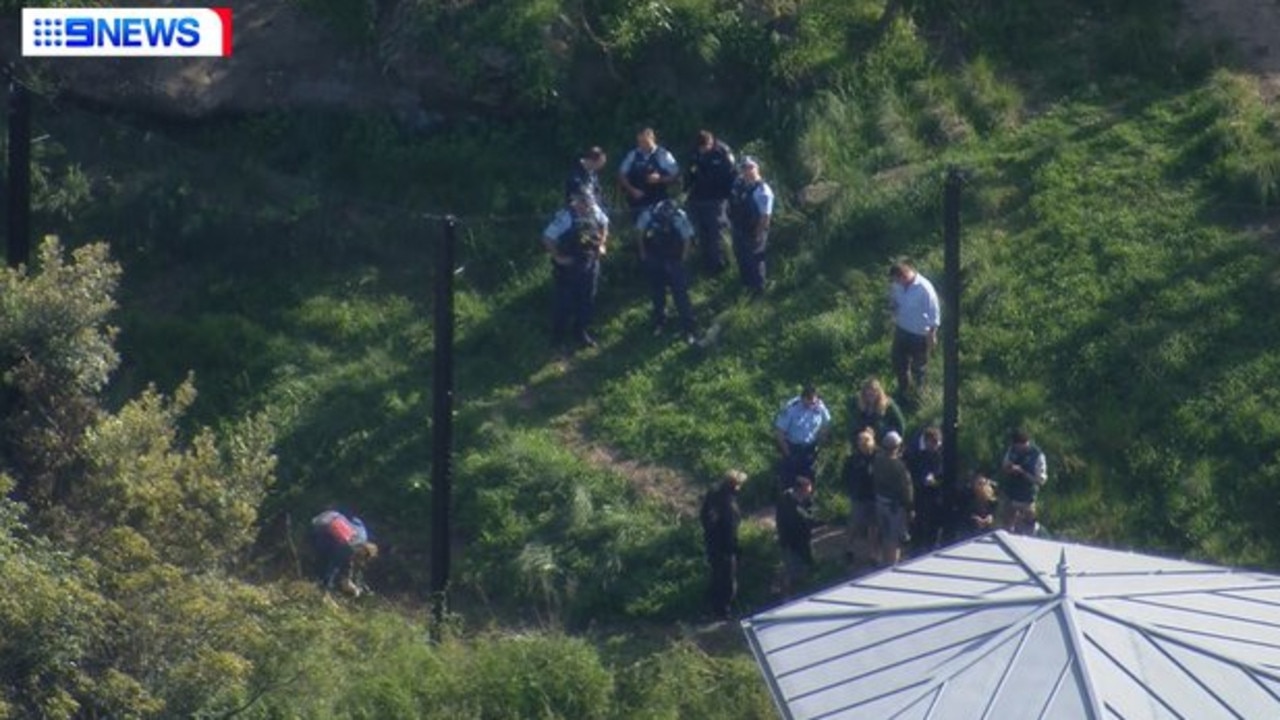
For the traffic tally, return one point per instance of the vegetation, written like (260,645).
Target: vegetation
(1118,262)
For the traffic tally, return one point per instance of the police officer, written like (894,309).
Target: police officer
(708,182)
(665,233)
(646,172)
(575,239)
(799,427)
(750,212)
(584,176)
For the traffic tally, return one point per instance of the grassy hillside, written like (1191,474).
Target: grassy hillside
(1119,258)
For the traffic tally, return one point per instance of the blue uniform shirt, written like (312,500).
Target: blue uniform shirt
(660,156)
(563,220)
(681,222)
(801,425)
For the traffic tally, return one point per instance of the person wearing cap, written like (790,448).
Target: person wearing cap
(575,239)
(933,499)
(709,181)
(895,498)
(799,427)
(584,176)
(646,173)
(665,234)
(720,518)
(794,519)
(750,213)
(1023,471)
(916,316)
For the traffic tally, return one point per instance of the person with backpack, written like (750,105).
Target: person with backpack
(720,518)
(708,182)
(665,233)
(750,213)
(343,550)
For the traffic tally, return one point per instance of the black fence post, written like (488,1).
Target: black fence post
(18,187)
(951,330)
(442,426)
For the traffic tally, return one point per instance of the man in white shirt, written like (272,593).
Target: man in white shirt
(916,316)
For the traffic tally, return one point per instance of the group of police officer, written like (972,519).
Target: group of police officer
(720,193)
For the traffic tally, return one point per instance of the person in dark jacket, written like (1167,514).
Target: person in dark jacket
(794,517)
(584,177)
(859,483)
(924,459)
(1022,473)
(720,519)
(895,498)
(709,181)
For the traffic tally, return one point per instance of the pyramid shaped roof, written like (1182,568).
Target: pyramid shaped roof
(1006,626)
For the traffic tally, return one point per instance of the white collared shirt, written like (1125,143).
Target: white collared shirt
(915,307)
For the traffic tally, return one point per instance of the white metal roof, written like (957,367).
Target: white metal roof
(1011,627)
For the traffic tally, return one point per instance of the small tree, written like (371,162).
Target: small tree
(56,354)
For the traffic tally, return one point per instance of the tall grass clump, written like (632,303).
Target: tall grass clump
(991,103)
(1245,139)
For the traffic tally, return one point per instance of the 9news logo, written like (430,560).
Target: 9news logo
(126,32)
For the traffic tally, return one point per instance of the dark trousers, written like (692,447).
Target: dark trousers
(724,581)
(910,354)
(801,460)
(575,298)
(750,257)
(669,273)
(931,519)
(710,221)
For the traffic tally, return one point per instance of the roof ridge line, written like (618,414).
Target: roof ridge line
(1002,539)
(1076,649)
(948,671)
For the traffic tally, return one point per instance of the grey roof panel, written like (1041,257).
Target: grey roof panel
(983,630)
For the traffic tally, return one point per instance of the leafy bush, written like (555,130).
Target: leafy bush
(196,506)
(56,354)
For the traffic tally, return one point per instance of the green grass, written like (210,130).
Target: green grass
(1117,269)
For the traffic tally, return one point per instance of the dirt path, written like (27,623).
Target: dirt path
(1252,26)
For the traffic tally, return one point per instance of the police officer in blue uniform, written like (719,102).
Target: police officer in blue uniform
(708,182)
(584,176)
(799,428)
(576,239)
(665,233)
(750,213)
(646,172)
